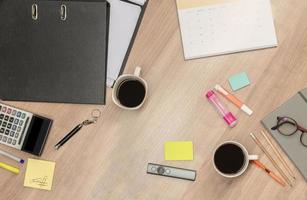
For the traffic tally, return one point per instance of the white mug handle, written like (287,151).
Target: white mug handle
(137,71)
(253,157)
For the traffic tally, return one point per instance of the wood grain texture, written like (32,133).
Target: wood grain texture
(108,160)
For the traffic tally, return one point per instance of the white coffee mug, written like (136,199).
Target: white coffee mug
(127,77)
(247,158)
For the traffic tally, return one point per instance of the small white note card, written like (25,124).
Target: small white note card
(216,27)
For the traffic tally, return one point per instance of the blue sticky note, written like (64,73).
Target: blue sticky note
(239,81)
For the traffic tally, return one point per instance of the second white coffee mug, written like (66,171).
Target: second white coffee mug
(130,90)
(231,159)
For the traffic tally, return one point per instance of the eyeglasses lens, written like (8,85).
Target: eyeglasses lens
(304,139)
(287,126)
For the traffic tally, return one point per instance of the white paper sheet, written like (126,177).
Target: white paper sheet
(215,27)
(123,20)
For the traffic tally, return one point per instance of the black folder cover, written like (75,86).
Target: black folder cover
(52,60)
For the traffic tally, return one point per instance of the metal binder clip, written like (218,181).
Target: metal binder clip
(63,12)
(34,12)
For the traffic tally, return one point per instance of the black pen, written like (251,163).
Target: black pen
(95,115)
(68,136)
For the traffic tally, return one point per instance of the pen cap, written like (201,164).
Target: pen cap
(212,97)
(209,94)
(230,119)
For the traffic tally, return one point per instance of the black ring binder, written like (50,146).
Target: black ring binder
(52,61)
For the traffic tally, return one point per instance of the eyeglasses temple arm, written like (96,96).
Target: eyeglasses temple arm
(275,127)
(301,129)
(285,122)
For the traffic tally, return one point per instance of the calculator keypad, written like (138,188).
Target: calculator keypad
(13,125)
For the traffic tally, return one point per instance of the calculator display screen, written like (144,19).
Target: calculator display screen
(33,134)
(37,135)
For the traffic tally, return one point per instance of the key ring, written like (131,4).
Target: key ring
(95,115)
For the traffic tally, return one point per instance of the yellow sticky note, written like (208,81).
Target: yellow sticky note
(178,150)
(39,174)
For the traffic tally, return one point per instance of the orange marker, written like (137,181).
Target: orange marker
(233,100)
(269,172)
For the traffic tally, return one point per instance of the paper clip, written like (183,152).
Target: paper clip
(63,12)
(34,12)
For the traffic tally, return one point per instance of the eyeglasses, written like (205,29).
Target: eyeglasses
(288,126)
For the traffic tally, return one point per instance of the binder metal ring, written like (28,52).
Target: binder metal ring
(34,12)
(63,12)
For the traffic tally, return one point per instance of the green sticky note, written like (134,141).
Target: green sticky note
(239,81)
(178,150)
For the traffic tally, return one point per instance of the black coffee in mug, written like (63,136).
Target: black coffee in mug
(229,159)
(131,93)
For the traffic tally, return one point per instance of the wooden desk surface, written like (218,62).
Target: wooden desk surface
(108,160)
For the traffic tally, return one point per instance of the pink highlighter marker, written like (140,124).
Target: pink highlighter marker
(227,116)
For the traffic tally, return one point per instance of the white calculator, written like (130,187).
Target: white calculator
(23,130)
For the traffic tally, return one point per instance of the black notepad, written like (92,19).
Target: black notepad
(59,57)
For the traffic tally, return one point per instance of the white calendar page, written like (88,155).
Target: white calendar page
(215,27)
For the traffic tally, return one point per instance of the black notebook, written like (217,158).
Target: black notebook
(53,51)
